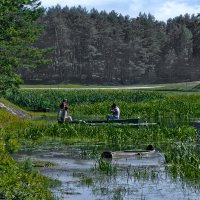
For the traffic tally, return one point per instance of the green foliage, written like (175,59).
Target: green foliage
(20,181)
(9,83)
(144,173)
(108,48)
(18,31)
(184,162)
(150,106)
(7,117)
(105,166)
(51,98)
(86,180)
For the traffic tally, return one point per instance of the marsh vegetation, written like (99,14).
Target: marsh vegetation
(175,140)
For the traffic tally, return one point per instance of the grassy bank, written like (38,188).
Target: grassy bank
(18,180)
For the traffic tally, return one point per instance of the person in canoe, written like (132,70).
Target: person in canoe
(63,111)
(115,112)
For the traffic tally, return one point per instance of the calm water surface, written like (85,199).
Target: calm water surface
(136,177)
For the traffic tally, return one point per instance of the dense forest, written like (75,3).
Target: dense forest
(108,48)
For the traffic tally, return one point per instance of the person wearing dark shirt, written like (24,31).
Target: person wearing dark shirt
(63,114)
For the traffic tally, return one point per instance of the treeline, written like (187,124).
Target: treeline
(108,48)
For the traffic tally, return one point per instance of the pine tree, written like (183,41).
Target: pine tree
(18,31)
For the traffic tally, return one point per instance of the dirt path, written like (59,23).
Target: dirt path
(15,111)
(97,88)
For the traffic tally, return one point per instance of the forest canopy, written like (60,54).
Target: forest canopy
(109,48)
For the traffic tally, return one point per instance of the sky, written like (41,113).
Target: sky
(160,9)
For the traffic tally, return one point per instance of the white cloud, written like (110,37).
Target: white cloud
(162,10)
(136,6)
(172,9)
(84,3)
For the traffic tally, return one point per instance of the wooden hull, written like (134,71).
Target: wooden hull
(128,153)
(131,153)
(125,154)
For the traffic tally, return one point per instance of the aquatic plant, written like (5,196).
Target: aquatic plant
(50,98)
(144,173)
(105,166)
(86,180)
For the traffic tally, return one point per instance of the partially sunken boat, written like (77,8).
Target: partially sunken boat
(128,153)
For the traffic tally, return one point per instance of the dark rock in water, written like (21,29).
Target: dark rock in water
(150,147)
(106,154)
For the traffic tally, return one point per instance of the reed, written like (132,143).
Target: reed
(105,166)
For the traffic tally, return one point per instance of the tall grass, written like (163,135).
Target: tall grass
(151,106)
(51,98)
(174,136)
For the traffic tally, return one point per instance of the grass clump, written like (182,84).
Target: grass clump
(21,181)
